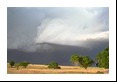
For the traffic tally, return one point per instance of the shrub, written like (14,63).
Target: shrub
(24,64)
(99,72)
(53,65)
(12,63)
(17,66)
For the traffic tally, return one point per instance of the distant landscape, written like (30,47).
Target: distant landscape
(82,66)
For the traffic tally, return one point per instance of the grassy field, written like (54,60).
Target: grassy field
(43,69)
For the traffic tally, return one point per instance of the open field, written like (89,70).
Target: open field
(43,69)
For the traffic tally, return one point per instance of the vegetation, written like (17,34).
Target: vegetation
(75,59)
(43,69)
(85,61)
(53,65)
(12,63)
(99,72)
(103,58)
(17,66)
(24,64)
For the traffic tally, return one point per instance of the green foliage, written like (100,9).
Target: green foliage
(24,64)
(103,58)
(99,72)
(85,61)
(53,65)
(12,63)
(75,59)
(17,65)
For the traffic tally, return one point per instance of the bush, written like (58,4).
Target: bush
(53,65)
(12,63)
(24,64)
(99,72)
(17,66)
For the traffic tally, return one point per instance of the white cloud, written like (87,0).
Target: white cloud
(66,25)
(79,24)
(96,36)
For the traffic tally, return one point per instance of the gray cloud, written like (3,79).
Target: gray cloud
(28,26)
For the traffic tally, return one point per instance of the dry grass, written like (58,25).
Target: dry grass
(43,69)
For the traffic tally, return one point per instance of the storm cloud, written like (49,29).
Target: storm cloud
(78,26)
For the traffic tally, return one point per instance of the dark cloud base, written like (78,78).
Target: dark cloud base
(58,53)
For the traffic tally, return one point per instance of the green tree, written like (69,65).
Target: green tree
(53,65)
(102,58)
(17,66)
(75,59)
(85,61)
(24,64)
(12,63)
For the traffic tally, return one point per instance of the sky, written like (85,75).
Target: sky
(77,26)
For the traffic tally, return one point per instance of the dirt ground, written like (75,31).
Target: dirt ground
(43,69)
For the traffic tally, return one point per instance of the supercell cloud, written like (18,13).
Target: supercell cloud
(78,26)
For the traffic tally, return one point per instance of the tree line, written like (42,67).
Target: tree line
(23,64)
(101,60)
